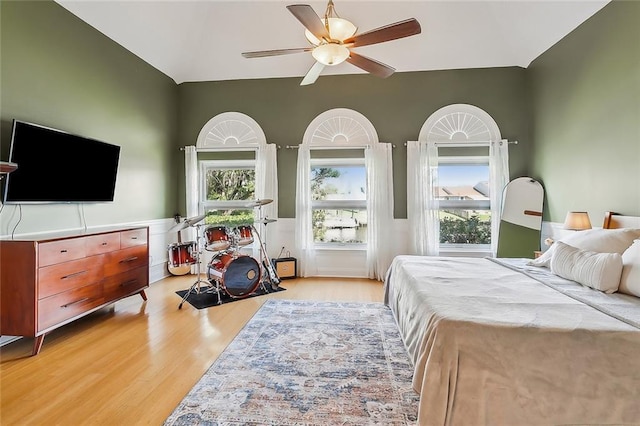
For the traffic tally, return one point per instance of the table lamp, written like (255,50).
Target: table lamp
(577,221)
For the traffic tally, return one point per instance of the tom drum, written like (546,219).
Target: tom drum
(239,275)
(217,238)
(244,234)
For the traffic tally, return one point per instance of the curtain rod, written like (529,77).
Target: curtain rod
(246,148)
(334,147)
(447,143)
(474,143)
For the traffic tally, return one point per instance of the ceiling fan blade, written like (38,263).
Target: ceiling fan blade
(370,65)
(277,52)
(312,74)
(310,19)
(400,29)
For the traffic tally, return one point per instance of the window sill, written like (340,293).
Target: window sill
(340,247)
(461,250)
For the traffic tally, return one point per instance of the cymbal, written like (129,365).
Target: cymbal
(178,226)
(193,220)
(258,203)
(186,223)
(265,221)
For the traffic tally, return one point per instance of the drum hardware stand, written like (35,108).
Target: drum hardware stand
(196,287)
(271,274)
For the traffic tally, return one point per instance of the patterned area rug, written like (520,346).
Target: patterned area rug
(307,363)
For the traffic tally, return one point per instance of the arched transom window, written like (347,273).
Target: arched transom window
(230,131)
(340,127)
(461,123)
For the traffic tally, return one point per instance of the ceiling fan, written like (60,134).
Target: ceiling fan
(332,39)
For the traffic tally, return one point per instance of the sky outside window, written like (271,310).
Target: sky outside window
(462,175)
(352,182)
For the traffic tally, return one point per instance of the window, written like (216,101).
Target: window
(458,166)
(464,201)
(227,187)
(230,166)
(339,200)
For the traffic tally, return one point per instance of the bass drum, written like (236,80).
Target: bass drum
(239,275)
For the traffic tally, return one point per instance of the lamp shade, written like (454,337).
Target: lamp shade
(339,29)
(577,221)
(330,53)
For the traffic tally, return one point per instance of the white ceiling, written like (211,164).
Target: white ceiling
(203,40)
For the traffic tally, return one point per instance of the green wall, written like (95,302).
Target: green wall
(397,107)
(60,72)
(586,116)
(575,112)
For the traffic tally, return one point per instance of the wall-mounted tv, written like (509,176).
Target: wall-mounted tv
(58,167)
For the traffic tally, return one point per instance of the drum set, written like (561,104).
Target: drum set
(229,271)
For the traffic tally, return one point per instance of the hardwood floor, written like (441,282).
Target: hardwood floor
(133,362)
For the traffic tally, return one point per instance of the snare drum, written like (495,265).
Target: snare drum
(244,234)
(217,238)
(181,254)
(238,274)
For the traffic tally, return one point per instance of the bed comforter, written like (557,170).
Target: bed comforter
(496,342)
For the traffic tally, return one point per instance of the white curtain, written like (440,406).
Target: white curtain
(378,161)
(304,231)
(266,187)
(499,177)
(191,190)
(422,204)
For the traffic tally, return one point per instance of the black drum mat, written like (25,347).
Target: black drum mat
(208,297)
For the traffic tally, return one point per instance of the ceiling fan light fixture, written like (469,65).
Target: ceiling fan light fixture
(339,29)
(330,53)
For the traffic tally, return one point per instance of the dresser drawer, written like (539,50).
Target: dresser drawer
(52,252)
(134,237)
(102,243)
(126,283)
(125,259)
(69,275)
(63,306)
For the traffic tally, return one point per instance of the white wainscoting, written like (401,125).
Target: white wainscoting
(339,262)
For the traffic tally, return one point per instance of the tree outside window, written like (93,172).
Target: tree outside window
(464,199)
(228,187)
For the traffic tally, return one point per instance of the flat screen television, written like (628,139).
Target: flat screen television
(58,167)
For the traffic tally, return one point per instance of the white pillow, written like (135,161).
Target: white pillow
(630,279)
(600,271)
(598,240)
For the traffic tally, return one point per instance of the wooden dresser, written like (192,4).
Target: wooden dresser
(48,282)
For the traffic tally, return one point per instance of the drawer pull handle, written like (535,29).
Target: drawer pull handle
(128,283)
(134,238)
(74,274)
(104,244)
(63,251)
(75,303)
(130,259)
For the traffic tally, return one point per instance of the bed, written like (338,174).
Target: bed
(515,342)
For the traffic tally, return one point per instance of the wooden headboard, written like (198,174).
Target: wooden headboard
(614,220)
